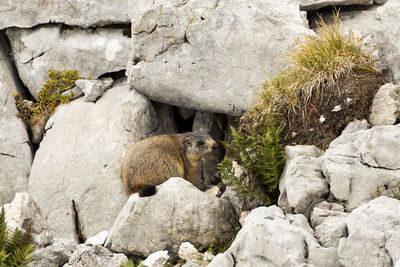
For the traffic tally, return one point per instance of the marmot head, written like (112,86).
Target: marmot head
(198,145)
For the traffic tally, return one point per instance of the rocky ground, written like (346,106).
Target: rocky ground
(189,65)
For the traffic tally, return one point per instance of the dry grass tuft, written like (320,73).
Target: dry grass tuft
(296,98)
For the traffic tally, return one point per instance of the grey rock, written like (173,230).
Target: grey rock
(91,139)
(22,213)
(375,22)
(226,45)
(178,212)
(83,13)
(363,164)
(156,259)
(165,115)
(98,239)
(301,221)
(304,184)
(291,153)
(331,231)
(90,51)
(310,5)
(259,242)
(54,255)
(186,113)
(373,235)
(93,89)
(326,257)
(355,126)
(75,92)
(188,252)
(96,256)
(385,109)
(15,153)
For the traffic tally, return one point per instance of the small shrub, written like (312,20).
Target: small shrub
(17,249)
(262,156)
(49,96)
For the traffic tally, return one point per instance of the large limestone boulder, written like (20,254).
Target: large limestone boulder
(91,52)
(22,213)
(210,55)
(374,235)
(381,25)
(178,212)
(267,239)
(15,153)
(83,13)
(76,174)
(54,255)
(363,164)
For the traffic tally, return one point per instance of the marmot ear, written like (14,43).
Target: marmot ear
(188,140)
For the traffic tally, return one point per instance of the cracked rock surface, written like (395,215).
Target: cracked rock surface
(361,165)
(267,239)
(210,55)
(15,153)
(374,235)
(91,52)
(178,212)
(83,13)
(310,5)
(80,160)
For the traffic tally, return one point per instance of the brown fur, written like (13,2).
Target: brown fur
(154,160)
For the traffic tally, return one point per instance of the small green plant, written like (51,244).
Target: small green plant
(262,156)
(49,96)
(15,251)
(128,264)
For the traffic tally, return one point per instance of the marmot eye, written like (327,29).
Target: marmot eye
(200,143)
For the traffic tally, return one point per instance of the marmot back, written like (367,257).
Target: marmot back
(154,160)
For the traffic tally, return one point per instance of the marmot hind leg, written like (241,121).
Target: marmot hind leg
(147,190)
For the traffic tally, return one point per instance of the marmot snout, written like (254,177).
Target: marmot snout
(154,160)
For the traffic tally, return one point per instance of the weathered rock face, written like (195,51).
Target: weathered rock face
(317,4)
(267,239)
(363,164)
(305,153)
(23,212)
(380,24)
(385,109)
(374,235)
(91,52)
(83,13)
(15,153)
(178,212)
(305,185)
(95,256)
(54,255)
(79,160)
(212,55)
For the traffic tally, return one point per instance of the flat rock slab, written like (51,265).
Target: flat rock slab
(77,168)
(178,212)
(91,52)
(15,153)
(83,13)
(211,55)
